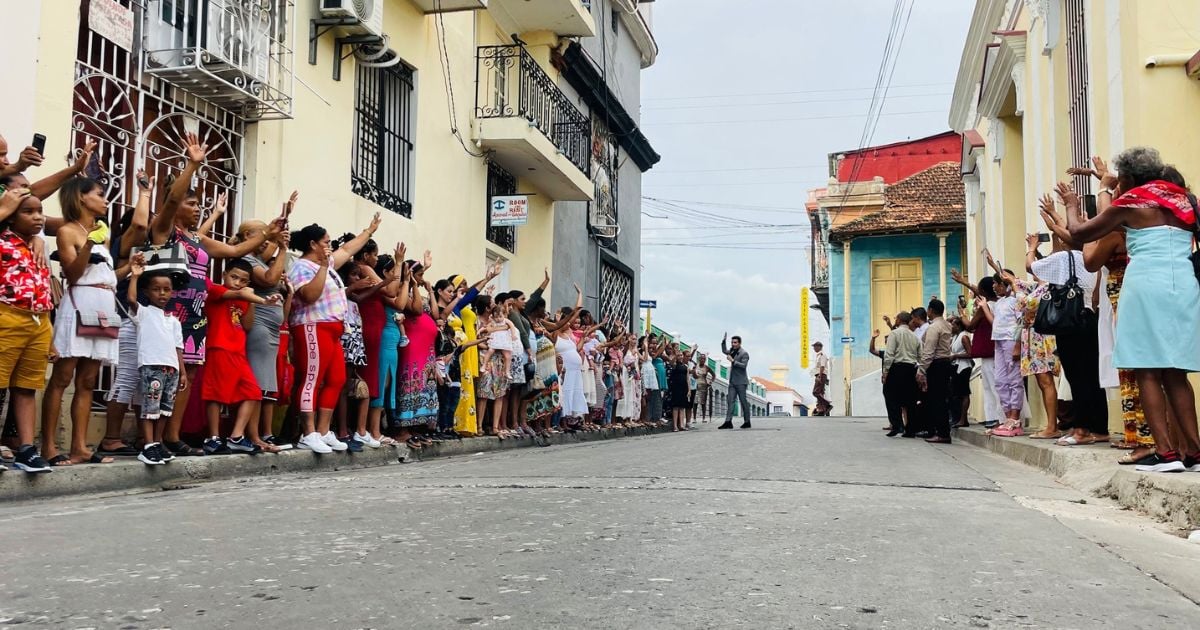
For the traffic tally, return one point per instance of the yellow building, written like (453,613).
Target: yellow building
(420,109)
(1045,84)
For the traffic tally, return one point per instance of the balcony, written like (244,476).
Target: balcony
(449,6)
(533,129)
(562,17)
(232,53)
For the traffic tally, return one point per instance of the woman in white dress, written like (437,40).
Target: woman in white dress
(90,296)
(629,407)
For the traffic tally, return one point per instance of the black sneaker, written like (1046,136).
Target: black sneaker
(151,455)
(29,460)
(727,425)
(745,425)
(165,453)
(242,445)
(1192,462)
(1168,462)
(354,446)
(216,446)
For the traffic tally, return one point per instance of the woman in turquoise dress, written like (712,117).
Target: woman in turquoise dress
(1158,322)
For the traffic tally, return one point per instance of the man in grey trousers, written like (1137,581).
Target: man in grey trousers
(738,380)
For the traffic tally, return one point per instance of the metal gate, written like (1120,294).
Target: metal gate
(138,122)
(616,293)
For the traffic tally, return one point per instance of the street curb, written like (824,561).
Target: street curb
(128,475)
(1171,498)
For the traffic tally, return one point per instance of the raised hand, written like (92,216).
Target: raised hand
(427,260)
(145,184)
(85,156)
(137,264)
(401,249)
(875,333)
(1067,195)
(29,157)
(988,255)
(193,149)
(1032,240)
(11,199)
(324,254)
(954,275)
(375,221)
(578,291)
(290,204)
(547,272)
(1108,179)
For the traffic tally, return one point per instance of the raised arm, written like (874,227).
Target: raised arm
(1053,221)
(164,221)
(1082,229)
(47,186)
(311,291)
(217,212)
(140,223)
(958,277)
(348,250)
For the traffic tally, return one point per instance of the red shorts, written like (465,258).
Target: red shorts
(320,365)
(228,378)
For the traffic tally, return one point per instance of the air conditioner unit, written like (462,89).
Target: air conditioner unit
(369,14)
(230,33)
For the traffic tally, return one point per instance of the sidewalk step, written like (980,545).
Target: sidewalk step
(1171,498)
(128,475)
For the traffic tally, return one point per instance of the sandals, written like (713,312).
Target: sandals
(124,451)
(62,459)
(183,449)
(414,443)
(1053,436)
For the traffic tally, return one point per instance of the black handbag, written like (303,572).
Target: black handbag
(1061,311)
(1195,255)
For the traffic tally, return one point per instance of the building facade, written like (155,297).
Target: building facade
(597,243)
(423,110)
(1044,84)
(886,235)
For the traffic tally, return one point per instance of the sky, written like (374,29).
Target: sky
(744,103)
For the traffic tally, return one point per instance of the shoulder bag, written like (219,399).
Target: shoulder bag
(170,258)
(95,324)
(1061,311)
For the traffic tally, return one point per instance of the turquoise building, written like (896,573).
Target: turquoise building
(898,256)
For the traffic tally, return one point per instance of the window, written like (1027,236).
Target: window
(1077,96)
(602,210)
(616,293)
(895,287)
(381,167)
(500,183)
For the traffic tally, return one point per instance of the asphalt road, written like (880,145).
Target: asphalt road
(805,523)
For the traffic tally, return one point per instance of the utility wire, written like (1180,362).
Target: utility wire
(755,104)
(798,119)
(753,94)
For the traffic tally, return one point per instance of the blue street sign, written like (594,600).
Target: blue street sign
(648,304)
(847,339)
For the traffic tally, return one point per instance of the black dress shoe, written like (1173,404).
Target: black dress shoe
(908,435)
(924,434)
(894,433)
(727,425)
(745,425)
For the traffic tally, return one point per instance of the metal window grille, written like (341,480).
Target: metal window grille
(616,294)
(602,210)
(382,162)
(1077,86)
(138,121)
(499,183)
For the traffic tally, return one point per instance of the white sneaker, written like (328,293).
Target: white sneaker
(332,442)
(314,443)
(367,440)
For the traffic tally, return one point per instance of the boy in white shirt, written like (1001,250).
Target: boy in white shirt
(160,355)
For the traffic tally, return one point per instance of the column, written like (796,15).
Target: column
(942,268)
(847,349)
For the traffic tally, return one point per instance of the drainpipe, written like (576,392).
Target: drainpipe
(942,266)
(1157,61)
(848,349)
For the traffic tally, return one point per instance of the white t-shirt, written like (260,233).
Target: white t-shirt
(159,336)
(1006,314)
(959,346)
(920,331)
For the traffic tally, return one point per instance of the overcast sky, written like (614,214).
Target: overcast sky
(745,102)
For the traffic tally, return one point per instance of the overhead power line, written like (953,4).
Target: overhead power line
(798,119)
(819,91)
(805,102)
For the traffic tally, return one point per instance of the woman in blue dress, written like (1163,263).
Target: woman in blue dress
(1158,322)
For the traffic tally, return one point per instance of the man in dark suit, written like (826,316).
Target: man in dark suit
(738,380)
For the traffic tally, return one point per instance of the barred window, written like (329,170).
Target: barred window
(381,167)
(1078,110)
(500,183)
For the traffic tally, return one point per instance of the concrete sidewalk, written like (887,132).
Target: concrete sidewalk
(128,475)
(1173,498)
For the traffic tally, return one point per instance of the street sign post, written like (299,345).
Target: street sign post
(648,305)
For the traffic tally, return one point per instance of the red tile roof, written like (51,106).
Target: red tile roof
(772,386)
(929,201)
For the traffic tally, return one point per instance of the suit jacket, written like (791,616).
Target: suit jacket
(737,373)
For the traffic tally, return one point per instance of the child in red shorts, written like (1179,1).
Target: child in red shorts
(228,379)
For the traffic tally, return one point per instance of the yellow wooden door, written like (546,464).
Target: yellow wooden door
(896,285)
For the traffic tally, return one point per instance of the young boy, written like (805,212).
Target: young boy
(25,306)
(160,356)
(228,379)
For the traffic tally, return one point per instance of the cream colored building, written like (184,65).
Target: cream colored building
(421,109)
(1044,84)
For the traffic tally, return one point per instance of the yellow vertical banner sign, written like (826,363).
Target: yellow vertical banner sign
(804,328)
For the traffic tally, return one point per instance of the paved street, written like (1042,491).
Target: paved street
(795,524)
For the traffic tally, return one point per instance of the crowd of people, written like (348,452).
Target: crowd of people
(363,348)
(1111,307)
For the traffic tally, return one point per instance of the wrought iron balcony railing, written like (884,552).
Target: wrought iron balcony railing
(511,84)
(233,53)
